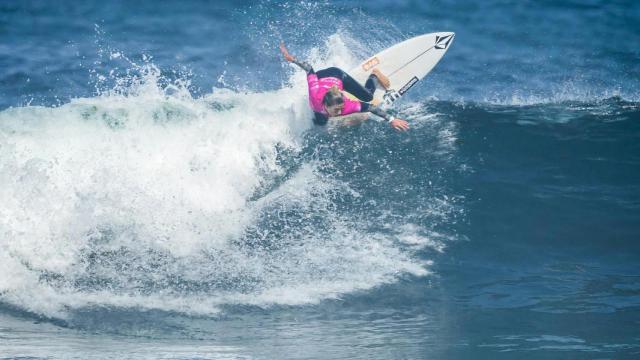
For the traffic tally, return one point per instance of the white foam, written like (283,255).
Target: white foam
(130,198)
(565,92)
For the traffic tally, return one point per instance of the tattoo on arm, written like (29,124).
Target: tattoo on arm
(376,110)
(304,65)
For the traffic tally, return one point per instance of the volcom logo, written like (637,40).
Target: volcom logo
(443,41)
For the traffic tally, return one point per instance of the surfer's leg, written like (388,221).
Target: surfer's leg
(349,84)
(382,79)
(353,87)
(376,78)
(371,84)
(330,72)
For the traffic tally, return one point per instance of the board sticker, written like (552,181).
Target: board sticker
(408,85)
(370,64)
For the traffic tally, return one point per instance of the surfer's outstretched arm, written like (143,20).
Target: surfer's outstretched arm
(304,65)
(395,123)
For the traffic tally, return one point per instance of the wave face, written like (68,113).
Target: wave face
(162,201)
(161,179)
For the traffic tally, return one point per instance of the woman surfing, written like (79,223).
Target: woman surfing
(332,92)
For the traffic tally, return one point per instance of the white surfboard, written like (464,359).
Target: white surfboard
(404,64)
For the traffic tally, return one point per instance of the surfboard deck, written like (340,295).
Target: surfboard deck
(404,64)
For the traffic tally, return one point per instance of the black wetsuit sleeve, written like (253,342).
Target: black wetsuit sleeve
(320,119)
(366,107)
(305,66)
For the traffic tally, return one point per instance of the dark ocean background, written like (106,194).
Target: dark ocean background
(164,194)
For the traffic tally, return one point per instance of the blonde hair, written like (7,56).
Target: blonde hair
(332,97)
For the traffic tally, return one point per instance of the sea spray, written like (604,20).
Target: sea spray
(146,197)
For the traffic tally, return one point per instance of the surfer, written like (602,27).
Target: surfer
(332,92)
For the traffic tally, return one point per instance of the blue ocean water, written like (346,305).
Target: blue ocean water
(164,194)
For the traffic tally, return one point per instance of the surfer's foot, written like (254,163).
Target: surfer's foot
(382,79)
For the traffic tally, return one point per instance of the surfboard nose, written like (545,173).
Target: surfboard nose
(443,40)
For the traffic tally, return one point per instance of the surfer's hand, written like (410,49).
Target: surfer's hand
(286,54)
(399,124)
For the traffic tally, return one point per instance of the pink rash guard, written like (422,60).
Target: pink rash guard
(319,87)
